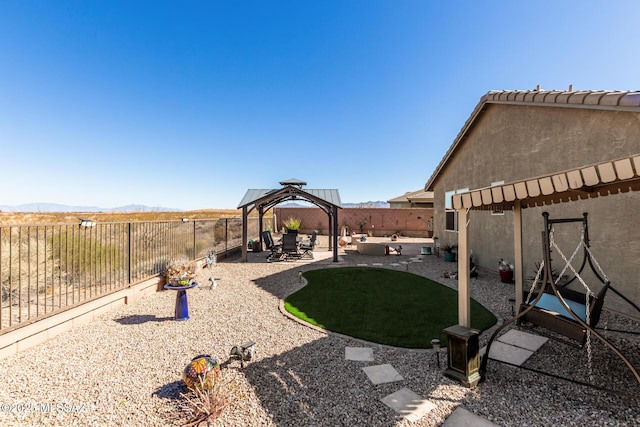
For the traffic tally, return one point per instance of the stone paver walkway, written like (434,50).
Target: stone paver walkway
(513,347)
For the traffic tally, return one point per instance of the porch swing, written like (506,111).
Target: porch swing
(556,308)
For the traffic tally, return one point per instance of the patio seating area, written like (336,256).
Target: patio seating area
(125,367)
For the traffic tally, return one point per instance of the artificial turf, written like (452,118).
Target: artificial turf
(381,305)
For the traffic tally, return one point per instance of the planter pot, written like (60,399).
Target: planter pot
(506,276)
(449,257)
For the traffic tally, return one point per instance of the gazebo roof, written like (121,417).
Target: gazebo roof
(263,199)
(292,189)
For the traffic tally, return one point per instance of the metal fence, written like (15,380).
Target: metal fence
(45,269)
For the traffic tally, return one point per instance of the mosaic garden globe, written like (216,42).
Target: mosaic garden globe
(201,372)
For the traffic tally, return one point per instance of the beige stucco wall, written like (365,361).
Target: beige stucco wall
(512,142)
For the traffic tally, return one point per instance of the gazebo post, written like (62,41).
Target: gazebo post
(335,233)
(260,226)
(244,234)
(330,214)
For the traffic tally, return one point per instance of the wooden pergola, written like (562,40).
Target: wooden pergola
(264,199)
(597,180)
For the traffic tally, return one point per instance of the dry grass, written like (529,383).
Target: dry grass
(30,218)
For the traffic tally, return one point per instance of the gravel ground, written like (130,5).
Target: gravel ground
(124,369)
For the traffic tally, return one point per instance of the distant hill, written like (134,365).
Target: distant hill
(53,207)
(378,204)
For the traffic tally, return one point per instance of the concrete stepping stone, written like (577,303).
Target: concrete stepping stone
(507,353)
(463,418)
(515,347)
(360,354)
(409,404)
(362,265)
(394,264)
(381,374)
(523,340)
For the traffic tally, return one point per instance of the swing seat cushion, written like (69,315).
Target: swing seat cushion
(552,303)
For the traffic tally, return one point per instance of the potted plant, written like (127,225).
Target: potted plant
(293,224)
(506,271)
(449,252)
(180,272)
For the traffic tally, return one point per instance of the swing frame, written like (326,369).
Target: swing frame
(573,328)
(540,316)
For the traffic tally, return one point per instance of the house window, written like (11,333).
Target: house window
(451,221)
(451,215)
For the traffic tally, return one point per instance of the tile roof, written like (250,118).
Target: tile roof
(419,195)
(591,99)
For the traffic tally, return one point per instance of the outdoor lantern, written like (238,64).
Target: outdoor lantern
(300,276)
(86,222)
(435,343)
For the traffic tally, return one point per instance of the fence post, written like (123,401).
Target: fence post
(195,256)
(129,254)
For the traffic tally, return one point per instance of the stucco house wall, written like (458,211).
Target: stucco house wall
(513,142)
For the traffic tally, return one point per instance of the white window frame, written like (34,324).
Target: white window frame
(448,209)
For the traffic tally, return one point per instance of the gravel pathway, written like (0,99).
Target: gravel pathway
(124,369)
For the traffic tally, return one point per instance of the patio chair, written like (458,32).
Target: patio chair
(307,247)
(275,250)
(290,246)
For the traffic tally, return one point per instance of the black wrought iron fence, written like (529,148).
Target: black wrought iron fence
(47,268)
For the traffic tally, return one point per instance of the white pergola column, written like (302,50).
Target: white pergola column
(517,250)
(464,287)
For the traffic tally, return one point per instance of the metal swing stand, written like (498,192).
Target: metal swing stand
(548,283)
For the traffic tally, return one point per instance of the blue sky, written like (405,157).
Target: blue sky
(188,104)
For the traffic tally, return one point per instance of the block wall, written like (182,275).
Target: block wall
(410,222)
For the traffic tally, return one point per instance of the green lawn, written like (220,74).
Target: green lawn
(380,305)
